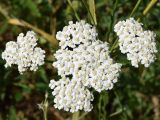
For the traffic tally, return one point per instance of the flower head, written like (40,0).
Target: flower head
(24,53)
(138,44)
(86,63)
(71,95)
(75,34)
(89,63)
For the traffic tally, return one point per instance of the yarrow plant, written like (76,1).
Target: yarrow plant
(24,53)
(83,62)
(138,44)
(85,65)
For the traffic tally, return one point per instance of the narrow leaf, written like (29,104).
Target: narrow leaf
(92,10)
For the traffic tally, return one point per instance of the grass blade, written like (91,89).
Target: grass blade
(92,9)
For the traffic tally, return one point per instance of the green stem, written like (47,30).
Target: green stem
(122,108)
(83,115)
(4,13)
(115,44)
(70,4)
(45,114)
(116,113)
(105,101)
(45,106)
(148,7)
(99,107)
(135,8)
(112,20)
(142,74)
(48,61)
(75,116)
(84,3)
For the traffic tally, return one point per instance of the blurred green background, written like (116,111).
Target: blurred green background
(135,96)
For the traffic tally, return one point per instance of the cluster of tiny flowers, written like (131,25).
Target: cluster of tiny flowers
(71,95)
(83,62)
(75,34)
(24,53)
(138,44)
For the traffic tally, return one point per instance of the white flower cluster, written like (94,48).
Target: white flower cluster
(71,95)
(24,53)
(85,64)
(138,44)
(75,34)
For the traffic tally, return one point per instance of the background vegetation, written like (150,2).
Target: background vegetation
(135,96)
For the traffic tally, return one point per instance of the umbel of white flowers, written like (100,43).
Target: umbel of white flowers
(24,53)
(138,44)
(83,62)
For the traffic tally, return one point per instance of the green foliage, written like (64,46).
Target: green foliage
(12,114)
(136,94)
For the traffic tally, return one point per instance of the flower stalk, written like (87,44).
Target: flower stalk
(75,116)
